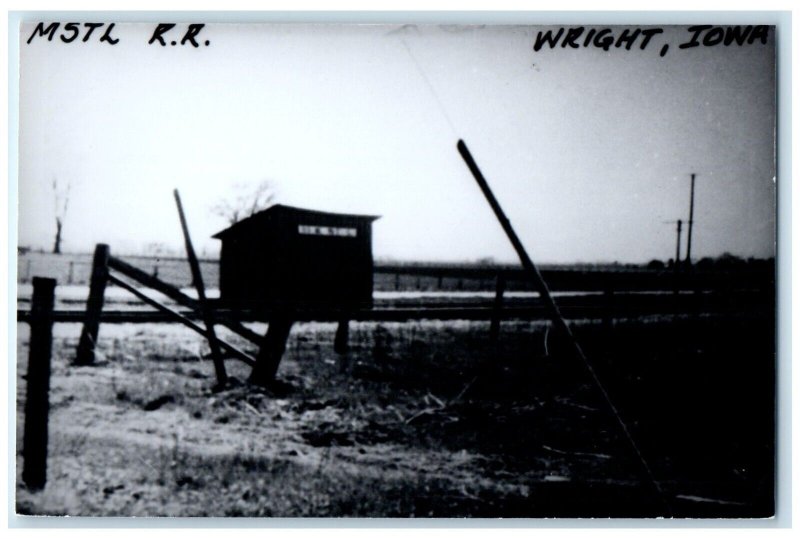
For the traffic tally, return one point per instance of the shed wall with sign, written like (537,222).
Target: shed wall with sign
(293,257)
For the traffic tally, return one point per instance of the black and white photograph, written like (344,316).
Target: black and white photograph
(411,271)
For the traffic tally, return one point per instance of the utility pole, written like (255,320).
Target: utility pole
(691,222)
(678,247)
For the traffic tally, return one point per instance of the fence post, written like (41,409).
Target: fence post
(94,305)
(34,449)
(342,334)
(494,329)
(608,308)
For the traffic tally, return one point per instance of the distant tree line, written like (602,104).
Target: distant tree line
(725,261)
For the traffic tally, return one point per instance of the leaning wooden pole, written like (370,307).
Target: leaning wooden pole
(555,315)
(530,268)
(208,316)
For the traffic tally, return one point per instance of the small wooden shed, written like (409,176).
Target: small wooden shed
(286,256)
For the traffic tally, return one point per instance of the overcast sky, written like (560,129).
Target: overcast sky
(589,151)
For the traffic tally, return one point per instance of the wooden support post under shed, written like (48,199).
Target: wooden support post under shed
(341,341)
(271,351)
(37,403)
(94,306)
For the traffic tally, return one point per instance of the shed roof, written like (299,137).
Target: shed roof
(264,216)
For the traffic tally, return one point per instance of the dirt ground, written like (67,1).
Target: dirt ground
(419,419)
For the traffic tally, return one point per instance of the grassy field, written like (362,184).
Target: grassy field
(422,419)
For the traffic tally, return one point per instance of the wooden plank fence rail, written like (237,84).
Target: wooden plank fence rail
(175,316)
(587,307)
(179,297)
(370,315)
(597,280)
(150,281)
(94,314)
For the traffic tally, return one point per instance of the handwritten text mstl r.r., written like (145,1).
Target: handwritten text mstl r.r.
(163,35)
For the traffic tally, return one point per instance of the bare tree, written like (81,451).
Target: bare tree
(61,199)
(245,201)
